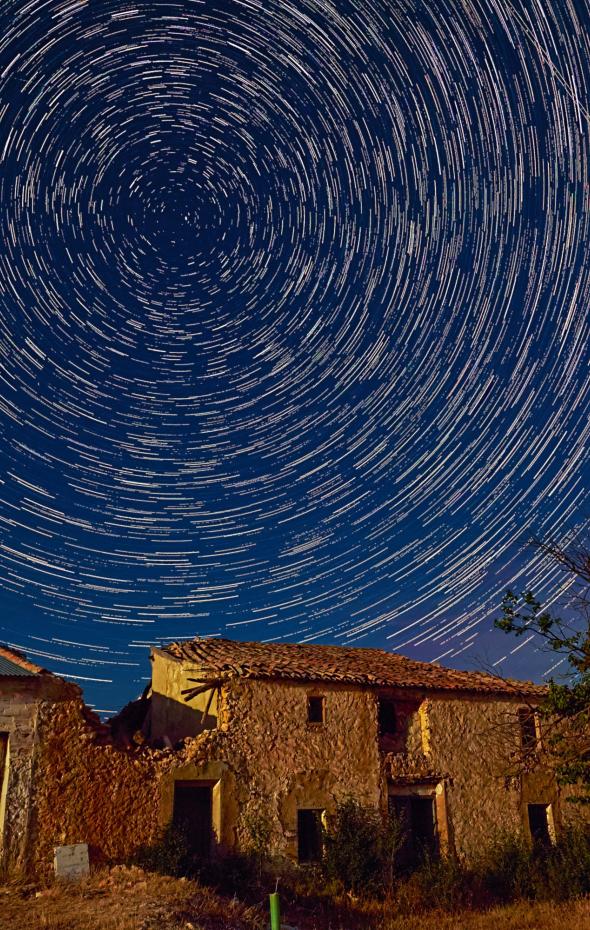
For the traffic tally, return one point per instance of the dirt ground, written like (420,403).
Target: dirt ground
(129,899)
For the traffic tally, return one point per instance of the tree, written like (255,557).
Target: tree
(565,711)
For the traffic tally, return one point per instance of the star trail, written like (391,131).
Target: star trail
(293,323)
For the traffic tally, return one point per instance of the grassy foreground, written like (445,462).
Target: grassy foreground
(131,899)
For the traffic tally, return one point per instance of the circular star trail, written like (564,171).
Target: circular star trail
(293,322)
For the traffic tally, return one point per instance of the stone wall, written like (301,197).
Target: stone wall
(21,698)
(472,741)
(282,762)
(470,744)
(465,745)
(85,792)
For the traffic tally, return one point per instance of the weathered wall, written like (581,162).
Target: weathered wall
(470,744)
(18,717)
(265,761)
(281,762)
(20,700)
(265,757)
(115,798)
(86,792)
(171,715)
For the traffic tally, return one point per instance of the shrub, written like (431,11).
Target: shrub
(563,871)
(360,849)
(353,847)
(505,869)
(170,854)
(510,869)
(443,884)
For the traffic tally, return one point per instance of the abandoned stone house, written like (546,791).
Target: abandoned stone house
(240,741)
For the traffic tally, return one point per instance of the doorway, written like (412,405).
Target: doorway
(539,826)
(309,835)
(416,816)
(193,814)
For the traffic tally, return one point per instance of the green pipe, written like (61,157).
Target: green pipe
(275,912)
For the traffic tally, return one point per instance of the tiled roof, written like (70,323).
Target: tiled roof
(309,662)
(15,664)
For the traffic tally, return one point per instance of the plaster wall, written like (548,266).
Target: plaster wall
(18,718)
(171,715)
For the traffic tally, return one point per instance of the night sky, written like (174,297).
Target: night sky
(293,324)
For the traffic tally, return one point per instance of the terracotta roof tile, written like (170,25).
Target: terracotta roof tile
(13,663)
(311,662)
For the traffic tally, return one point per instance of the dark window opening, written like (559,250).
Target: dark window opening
(539,824)
(193,815)
(315,709)
(387,717)
(417,819)
(309,835)
(528,730)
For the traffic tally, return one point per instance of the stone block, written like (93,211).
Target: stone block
(71,861)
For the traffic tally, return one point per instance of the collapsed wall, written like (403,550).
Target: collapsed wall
(88,791)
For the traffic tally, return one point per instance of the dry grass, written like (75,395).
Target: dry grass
(122,899)
(575,915)
(130,899)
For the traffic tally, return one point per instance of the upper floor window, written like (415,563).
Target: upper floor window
(387,717)
(528,728)
(315,708)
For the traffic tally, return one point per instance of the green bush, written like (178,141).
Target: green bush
(443,884)
(360,849)
(504,869)
(563,871)
(510,869)
(170,854)
(361,856)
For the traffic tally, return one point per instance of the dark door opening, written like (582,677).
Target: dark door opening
(539,824)
(193,814)
(417,818)
(309,835)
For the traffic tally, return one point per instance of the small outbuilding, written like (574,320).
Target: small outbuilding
(24,688)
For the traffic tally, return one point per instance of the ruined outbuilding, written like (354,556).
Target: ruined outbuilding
(24,689)
(246,743)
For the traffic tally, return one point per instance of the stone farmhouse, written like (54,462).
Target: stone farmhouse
(237,740)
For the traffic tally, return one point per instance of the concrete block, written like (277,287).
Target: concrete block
(71,861)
